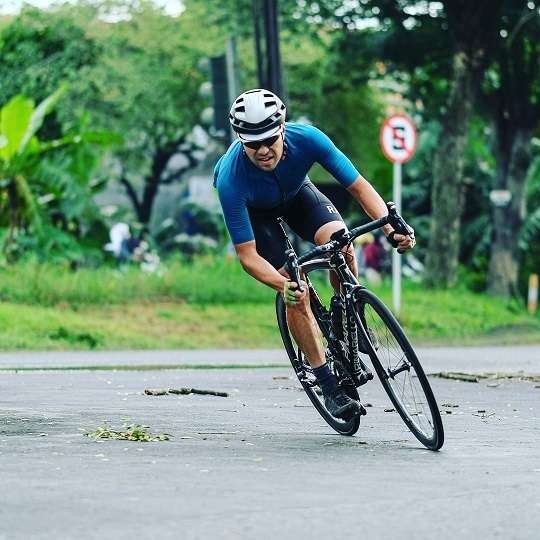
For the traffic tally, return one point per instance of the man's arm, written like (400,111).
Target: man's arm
(258,267)
(375,208)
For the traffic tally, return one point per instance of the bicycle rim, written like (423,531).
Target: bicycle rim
(400,372)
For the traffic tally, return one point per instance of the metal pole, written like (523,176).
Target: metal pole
(259,60)
(396,257)
(274,80)
(231,59)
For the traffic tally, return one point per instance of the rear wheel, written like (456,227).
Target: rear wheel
(399,370)
(307,378)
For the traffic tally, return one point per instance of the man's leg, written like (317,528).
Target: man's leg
(323,235)
(305,331)
(300,319)
(314,217)
(307,335)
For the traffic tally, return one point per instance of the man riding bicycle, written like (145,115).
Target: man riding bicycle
(263,176)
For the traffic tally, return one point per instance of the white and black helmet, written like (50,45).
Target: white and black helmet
(257,114)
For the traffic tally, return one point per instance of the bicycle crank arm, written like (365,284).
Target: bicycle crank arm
(364,377)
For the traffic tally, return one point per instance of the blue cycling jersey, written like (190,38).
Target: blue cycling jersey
(241,184)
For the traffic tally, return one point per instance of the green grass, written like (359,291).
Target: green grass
(212,304)
(207,280)
(137,326)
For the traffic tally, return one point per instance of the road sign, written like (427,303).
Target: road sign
(398,143)
(398,138)
(500,197)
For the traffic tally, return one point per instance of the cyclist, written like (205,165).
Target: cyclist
(263,176)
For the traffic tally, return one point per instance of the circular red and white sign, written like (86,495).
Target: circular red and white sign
(398,138)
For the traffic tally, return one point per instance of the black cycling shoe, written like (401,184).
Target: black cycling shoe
(340,405)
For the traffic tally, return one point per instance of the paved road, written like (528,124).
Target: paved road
(261,463)
(473,359)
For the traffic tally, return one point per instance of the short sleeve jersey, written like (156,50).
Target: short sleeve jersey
(241,184)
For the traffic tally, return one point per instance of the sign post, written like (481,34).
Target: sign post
(398,143)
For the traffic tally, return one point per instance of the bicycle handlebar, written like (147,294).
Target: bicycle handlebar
(341,238)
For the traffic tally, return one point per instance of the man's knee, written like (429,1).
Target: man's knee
(301,306)
(324,232)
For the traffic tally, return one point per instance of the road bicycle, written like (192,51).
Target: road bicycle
(356,327)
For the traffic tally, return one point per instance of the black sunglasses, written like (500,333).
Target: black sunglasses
(255,145)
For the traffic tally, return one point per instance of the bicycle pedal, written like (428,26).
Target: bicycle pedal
(364,377)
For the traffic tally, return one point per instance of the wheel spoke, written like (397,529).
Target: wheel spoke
(400,372)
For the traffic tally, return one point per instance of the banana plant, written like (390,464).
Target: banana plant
(20,152)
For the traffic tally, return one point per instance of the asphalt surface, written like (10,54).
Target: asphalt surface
(261,462)
(471,359)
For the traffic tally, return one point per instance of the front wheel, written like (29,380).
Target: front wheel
(399,370)
(307,378)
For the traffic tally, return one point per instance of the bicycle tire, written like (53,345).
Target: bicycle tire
(386,338)
(344,427)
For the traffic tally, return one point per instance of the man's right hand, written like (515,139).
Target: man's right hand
(291,293)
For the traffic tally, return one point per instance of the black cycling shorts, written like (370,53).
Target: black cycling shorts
(305,214)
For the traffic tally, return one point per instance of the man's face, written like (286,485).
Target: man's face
(268,153)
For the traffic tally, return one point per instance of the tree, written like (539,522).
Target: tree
(512,94)
(473,26)
(148,90)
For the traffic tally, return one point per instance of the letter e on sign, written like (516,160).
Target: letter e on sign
(398,138)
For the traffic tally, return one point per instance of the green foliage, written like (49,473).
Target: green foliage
(44,200)
(529,240)
(129,432)
(205,280)
(39,53)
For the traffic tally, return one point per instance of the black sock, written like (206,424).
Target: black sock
(326,379)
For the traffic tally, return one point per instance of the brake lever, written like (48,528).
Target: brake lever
(397,222)
(399,225)
(292,268)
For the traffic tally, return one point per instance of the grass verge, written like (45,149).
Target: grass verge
(456,317)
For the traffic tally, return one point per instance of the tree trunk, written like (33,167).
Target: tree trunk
(513,162)
(447,190)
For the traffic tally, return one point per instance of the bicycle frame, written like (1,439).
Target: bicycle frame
(345,352)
